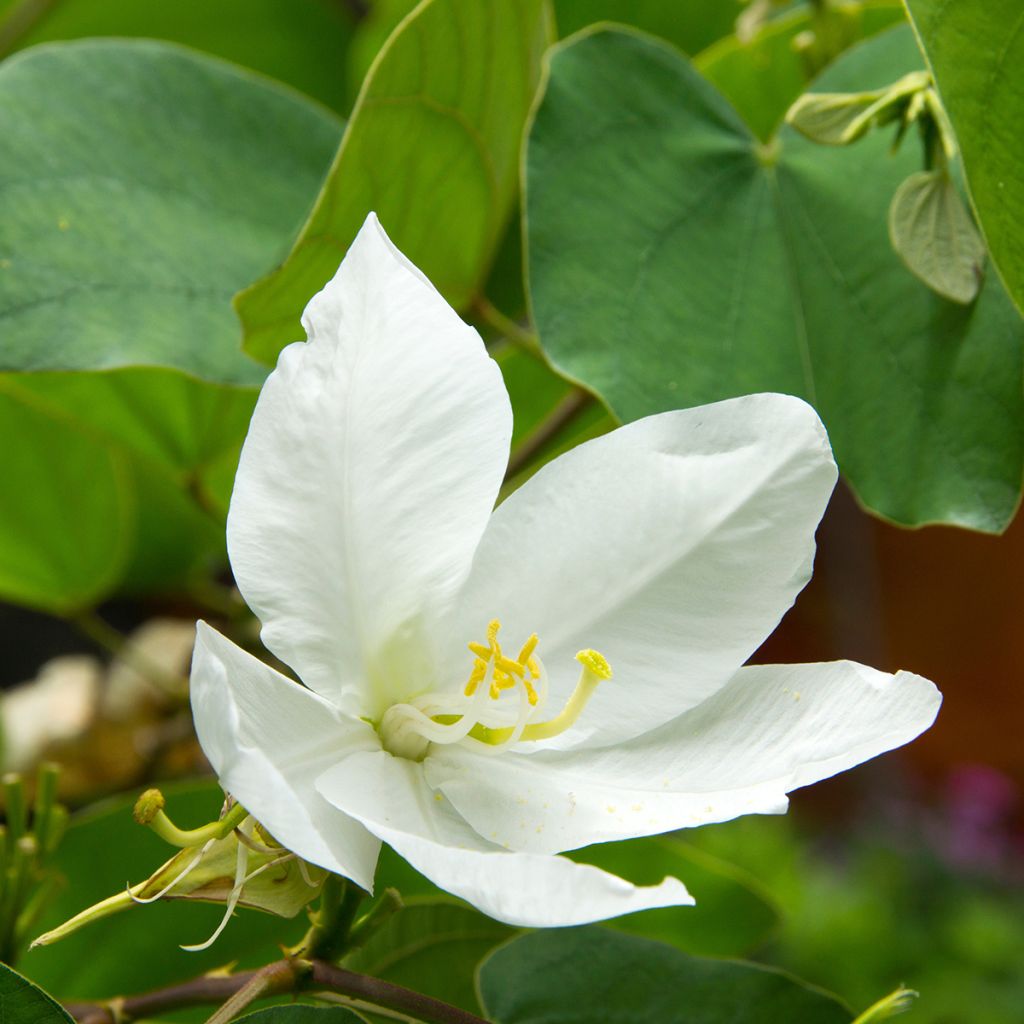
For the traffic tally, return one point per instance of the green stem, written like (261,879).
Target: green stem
(329,935)
(574,403)
(15,806)
(491,316)
(46,798)
(291,976)
(170,833)
(20,20)
(274,979)
(386,907)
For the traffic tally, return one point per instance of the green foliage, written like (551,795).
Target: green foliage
(432,946)
(102,851)
(933,232)
(862,913)
(732,916)
(592,974)
(432,146)
(763,75)
(22,1003)
(692,25)
(674,260)
(975,49)
(301,1015)
(295,41)
(142,185)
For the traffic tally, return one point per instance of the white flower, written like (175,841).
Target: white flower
(362,533)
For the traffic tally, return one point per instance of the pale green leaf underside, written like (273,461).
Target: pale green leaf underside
(933,232)
(675,260)
(976,52)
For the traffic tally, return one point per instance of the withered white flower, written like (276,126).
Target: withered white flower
(455,704)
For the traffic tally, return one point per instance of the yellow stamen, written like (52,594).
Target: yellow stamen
(595,669)
(476,676)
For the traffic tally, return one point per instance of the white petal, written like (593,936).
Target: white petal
(391,798)
(772,729)
(672,545)
(371,466)
(267,739)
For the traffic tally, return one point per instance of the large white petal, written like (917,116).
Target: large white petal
(268,739)
(772,729)
(371,466)
(391,798)
(672,545)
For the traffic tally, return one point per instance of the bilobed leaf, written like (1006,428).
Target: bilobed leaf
(140,186)
(433,945)
(432,146)
(675,260)
(932,230)
(22,1003)
(975,49)
(577,975)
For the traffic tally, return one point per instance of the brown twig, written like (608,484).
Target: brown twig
(547,430)
(280,978)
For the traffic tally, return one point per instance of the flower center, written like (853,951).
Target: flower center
(501,703)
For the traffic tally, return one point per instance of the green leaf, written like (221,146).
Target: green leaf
(22,1003)
(731,918)
(295,41)
(691,24)
(432,946)
(975,49)
(577,975)
(763,76)
(141,186)
(676,260)
(301,1015)
(103,850)
(67,510)
(432,146)
(933,232)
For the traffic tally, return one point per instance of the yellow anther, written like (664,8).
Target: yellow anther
(526,654)
(476,676)
(508,666)
(505,672)
(596,663)
(595,669)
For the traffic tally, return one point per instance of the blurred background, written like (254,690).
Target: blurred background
(907,870)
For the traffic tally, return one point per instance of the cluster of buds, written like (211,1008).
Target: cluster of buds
(27,841)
